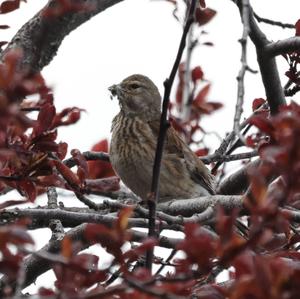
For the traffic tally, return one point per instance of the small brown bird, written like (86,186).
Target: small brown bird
(134,136)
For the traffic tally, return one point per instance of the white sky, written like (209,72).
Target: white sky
(142,36)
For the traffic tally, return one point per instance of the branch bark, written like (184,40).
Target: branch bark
(283,46)
(267,64)
(188,207)
(41,36)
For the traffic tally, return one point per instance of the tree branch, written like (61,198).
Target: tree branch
(41,36)
(240,78)
(238,182)
(281,47)
(164,125)
(267,64)
(188,207)
(272,22)
(89,156)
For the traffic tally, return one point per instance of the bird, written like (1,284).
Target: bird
(135,130)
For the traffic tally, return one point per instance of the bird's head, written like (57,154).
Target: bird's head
(137,95)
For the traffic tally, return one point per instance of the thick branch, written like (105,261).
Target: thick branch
(41,36)
(267,64)
(281,47)
(188,207)
(41,217)
(238,182)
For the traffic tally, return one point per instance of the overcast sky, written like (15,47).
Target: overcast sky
(142,36)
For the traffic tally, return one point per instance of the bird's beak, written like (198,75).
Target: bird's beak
(115,90)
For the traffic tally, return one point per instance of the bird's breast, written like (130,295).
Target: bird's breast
(132,153)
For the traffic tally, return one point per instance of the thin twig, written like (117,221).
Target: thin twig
(292,91)
(186,105)
(89,156)
(227,158)
(242,72)
(169,258)
(272,22)
(164,125)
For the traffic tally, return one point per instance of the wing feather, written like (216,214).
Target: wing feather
(175,146)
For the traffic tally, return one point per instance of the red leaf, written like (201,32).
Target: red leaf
(297,26)
(100,169)
(9,5)
(45,119)
(179,93)
(122,222)
(67,117)
(62,150)
(202,3)
(46,292)
(202,152)
(257,103)
(51,180)
(199,246)
(214,106)
(29,188)
(197,74)
(15,235)
(262,123)
(80,161)
(203,16)
(109,238)
(201,96)
(67,174)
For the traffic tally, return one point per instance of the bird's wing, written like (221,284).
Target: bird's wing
(175,146)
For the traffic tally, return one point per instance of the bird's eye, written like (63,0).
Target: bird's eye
(134,86)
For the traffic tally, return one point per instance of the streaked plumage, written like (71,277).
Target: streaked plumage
(134,135)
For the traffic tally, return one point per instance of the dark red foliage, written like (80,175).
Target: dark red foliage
(202,152)
(9,5)
(79,273)
(199,247)
(28,155)
(198,105)
(13,236)
(297,26)
(100,169)
(111,239)
(197,74)
(203,16)
(257,103)
(202,3)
